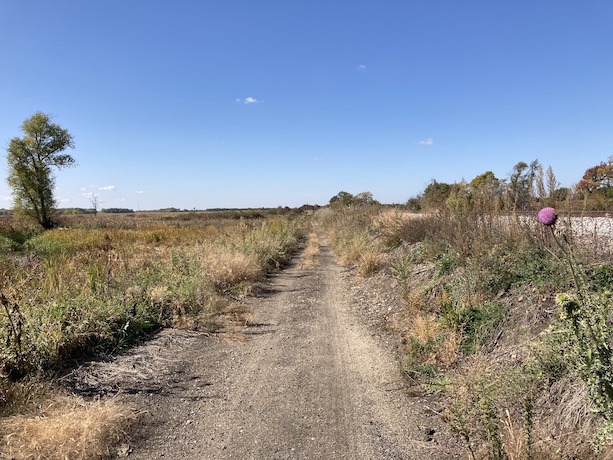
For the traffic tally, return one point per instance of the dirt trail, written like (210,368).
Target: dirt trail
(305,379)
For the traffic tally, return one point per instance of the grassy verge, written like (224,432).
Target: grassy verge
(481,327)
(99,286)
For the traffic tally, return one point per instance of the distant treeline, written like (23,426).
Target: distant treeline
(65,211)
(76,211)
(240,212)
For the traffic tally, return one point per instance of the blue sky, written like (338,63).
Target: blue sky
(201,104)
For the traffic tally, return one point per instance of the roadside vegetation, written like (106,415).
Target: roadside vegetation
(98,284)
(506,319)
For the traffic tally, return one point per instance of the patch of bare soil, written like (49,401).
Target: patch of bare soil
(308,374)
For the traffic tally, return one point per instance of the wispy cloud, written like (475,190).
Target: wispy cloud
(428,141)
(142,192)
(248,100)
(361,67)
(106,187)
(6,198)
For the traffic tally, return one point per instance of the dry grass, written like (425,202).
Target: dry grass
(395,226)
(370,262)
(425,328)
(100,287)
(450,351)
(67,427)
(229,268)
(566,425)
(414,300)
(440,345)
(479,286)
(310,256)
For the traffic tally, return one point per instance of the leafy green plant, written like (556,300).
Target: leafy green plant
(478,324)
(586,323)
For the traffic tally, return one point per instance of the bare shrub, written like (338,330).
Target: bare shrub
(566,423)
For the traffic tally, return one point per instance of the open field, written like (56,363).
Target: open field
(468,303)
(101,283)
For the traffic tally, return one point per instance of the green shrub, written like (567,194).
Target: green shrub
(601,277)
(479,325)
(7,245)
(586,327)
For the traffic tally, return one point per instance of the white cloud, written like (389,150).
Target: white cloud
(362,67)
(248,100)
(106,187)
(142,192)
(6,198)
(428,141)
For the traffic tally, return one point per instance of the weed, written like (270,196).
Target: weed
(429,347)
(478,325)
(85,290)
(586,325)
(494,408)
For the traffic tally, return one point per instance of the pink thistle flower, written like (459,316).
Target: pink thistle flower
(547,216)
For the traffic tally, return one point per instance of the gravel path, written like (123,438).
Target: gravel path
(304,379)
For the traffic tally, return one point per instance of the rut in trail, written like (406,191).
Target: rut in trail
(309,381)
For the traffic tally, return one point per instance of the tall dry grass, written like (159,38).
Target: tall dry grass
(72,291)
(479,288)
(96,288)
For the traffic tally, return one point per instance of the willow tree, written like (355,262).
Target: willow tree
(31,160)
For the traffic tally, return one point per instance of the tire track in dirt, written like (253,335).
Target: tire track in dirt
(308,381)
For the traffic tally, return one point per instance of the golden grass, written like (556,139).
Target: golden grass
(99,286)
(370,262)
(414,300)
(228,268)
(310,256)
(67,427)
(443,343)
(425,328)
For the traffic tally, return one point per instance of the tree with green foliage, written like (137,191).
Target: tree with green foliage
(486,180)
(30,162)
(348,199)
(435,195)
(485,192)
(521,184)
(342,199)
